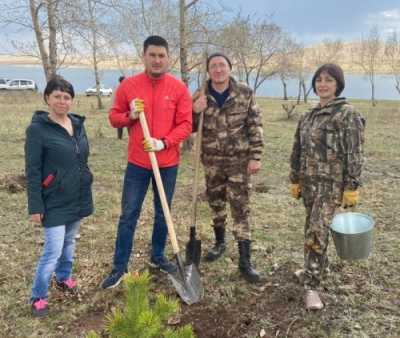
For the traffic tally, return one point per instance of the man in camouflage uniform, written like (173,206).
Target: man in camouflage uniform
(232,144)
(326,166)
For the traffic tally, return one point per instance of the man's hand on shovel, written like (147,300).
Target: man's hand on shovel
(137,107)
(153,144)
(200,104)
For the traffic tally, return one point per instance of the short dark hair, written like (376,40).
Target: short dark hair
(57,82)
(333,70)
(214,55)
(155,40)
(121,78)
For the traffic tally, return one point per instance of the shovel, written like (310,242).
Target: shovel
(193,247)
(186,280)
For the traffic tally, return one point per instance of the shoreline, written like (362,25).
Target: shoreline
(135,64)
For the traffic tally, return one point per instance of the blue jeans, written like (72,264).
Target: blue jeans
(57,256)
(136,183)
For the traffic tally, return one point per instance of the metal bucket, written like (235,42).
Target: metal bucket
(352,235)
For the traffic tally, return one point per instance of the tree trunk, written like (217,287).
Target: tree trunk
(285,97)
(304,88)
(34,9)
(373,93)
(94,53)
(307,93)
(183,43)
(97,80)
(299,93)
(52,22)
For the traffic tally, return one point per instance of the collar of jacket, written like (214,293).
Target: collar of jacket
(330,106)
(41,116)
(154,79)
(233,89)
(336,101)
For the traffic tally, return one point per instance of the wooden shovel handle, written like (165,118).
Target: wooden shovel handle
(160,187)
(197,152)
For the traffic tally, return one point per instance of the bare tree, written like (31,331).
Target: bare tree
(303,70)
(138,19)
(392,56)
(45,20)
(328,51)
(89,19)
(366,54)
(252,44)
(183,38)
(286,62)
(187,29)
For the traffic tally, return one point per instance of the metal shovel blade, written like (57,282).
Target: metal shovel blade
(187,282)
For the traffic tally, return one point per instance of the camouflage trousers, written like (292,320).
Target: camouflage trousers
(320,207)
(227,181)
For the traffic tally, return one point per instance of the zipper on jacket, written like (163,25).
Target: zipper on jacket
(153,85)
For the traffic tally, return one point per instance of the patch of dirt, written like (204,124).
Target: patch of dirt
(92,321)
(13,183)
(278,300)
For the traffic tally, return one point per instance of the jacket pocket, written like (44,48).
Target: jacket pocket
(51,183)
(237,119)
(86,177)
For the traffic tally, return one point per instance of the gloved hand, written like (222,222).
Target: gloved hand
(350,198)
(153,144)
(137,106)
(295,191)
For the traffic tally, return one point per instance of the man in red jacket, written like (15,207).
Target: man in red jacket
(167,105)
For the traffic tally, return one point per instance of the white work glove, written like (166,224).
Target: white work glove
(137,106)
(153,144)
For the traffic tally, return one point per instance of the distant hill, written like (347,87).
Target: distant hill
(343,53)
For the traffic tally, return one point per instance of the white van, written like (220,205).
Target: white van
(3,83)
(21,84)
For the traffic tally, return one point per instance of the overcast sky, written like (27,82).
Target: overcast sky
(309,21)
(313,20)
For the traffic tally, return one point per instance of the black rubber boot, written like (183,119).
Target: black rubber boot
(219,248)
(247,271)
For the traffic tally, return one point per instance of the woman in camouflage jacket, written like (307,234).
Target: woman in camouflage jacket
(326,164)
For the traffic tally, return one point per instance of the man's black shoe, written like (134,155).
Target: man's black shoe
(113,279)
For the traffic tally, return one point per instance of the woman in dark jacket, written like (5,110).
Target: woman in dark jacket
(59,187)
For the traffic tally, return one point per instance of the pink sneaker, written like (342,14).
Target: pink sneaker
(312,300)
(68,285)
(40,307)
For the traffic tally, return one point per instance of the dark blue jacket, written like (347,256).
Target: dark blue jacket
(51,152)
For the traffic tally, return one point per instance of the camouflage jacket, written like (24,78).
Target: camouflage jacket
(235,129)
(328,146)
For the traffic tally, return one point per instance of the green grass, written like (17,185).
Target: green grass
(362,298)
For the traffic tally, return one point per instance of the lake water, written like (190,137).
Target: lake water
(357,86)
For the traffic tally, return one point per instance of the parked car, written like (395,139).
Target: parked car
(3,83)
(21,84)
(103,91)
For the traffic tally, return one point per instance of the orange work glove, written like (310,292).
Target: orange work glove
(350,198)
(295,190)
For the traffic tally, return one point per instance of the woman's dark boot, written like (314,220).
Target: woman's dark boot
(247,271)
(219,248)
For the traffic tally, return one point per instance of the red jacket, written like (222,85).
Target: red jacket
(168,110)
